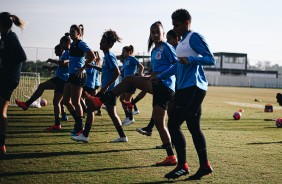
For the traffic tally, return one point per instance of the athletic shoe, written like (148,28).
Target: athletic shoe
(104,107)
(202,171)
(64,117)
(99,113)
(2,150)
(168,161)
(76,133)
(135,112)
(120,139)
(127,122)
(81,138)
(144,131)
(128,104)
(21,104)
(95,101)
(180,170)
(54,127)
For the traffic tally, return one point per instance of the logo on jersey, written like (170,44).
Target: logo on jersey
(158,55)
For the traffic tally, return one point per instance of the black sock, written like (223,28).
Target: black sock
(203,158)
(135,100)
(73,113)
(78,123)
(57,121)
(168,148)
(151,124)
(63,114)
(130,115)
(87,129)
(120,131)
(2,139)
(181,155)
(126,113)
(135,107)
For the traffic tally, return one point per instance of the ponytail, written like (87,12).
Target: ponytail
(7,20)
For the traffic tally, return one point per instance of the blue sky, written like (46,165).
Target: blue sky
(248,26)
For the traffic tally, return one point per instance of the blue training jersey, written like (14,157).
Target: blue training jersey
(194,47)
(162,59)
(130,65)
(109,65)
(77,56)
(62,71)
(97,79)
(91,75)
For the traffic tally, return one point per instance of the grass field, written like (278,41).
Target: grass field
(244,151)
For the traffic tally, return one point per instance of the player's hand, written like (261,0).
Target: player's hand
(183,60)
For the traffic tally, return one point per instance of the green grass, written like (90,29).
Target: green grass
(244,151)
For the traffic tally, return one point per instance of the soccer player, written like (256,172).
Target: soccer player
(193,52)
(56,83)
(163,57)
(110,74)
(172,39)
(130,66)
(79,50)
(11,57)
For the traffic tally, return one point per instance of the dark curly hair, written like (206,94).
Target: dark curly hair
(111,37)
(181,15)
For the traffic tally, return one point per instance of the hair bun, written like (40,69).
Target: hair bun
(67,34)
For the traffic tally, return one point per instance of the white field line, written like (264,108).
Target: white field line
(252,105)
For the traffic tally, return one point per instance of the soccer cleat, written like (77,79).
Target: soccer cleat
(128,104)
(2,150)
(135,112)
(202,171)
(99,113)
(81,138)
(120,139)
(144,131)
(95,101)
(54,127)
(180,170)
(76,132)
(168,161)
(127,122)
(64,117)
(21,104)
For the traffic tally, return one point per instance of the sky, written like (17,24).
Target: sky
(244,26)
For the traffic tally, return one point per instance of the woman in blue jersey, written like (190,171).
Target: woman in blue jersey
(79,50)
(11,57)
(163,57)
(57,83)
(131,66)
(193,52)
(172,39)
(90,89)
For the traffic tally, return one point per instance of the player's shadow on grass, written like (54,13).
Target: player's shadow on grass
(12,156)
(25,173)
(259,143)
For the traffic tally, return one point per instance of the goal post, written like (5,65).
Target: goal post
(29,82)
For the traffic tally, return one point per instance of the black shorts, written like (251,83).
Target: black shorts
(189,99)
(89,90)
(75,80)
(161,95)
(7,87)
(59,83)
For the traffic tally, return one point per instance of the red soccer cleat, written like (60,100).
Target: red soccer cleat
(54,127)
(21,104)
(2,150)
(128,104)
